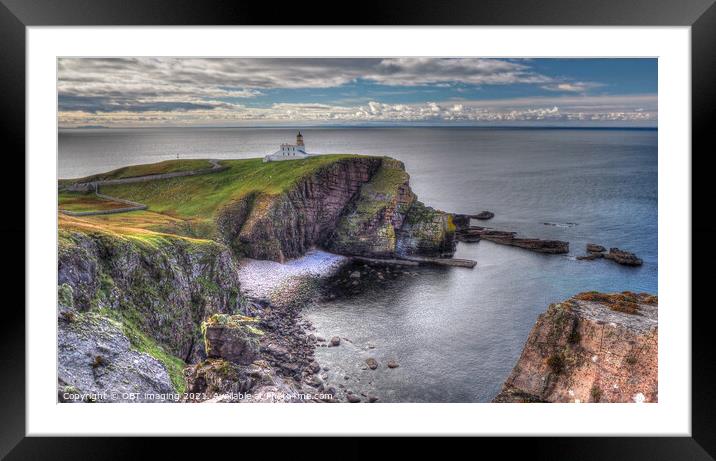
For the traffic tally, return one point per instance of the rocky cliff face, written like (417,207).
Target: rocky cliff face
(593,347)
(136,306)
(164,286)
(287,225)
(387,220)
(353,206)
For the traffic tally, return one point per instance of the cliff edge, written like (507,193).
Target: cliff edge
(594,347)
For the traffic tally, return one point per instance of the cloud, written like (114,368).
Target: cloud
(186,91)
(111,84)
(573,87)
(572,108)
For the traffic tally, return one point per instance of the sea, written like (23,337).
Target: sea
(456,333)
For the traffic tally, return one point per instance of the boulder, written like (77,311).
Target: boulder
(372,363)
(232,337)
(623,257)
(392,364)
(594,347)
(335,341)
(594,248)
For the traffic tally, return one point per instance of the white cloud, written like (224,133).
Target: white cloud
(572,87)
(581,108)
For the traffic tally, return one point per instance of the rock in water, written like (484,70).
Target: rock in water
(352,398)
(372,363)
(590,256)
(335,341)
(484,215)
(594,347)
(623,257)
(392,364)
(594,248)
(475,233)
(232,337)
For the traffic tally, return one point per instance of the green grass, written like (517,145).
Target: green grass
(80,201)
(199,197)
(168,166)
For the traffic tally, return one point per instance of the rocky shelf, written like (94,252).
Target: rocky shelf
(477,233)
(617,255)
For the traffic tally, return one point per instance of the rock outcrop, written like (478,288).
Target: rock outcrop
(387,220)
(286,225)
(477,233)
(232,337)
(622,257)
(593,347)
(98,363)
(354,206)
(165,286)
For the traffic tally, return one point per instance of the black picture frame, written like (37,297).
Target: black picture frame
(16,15)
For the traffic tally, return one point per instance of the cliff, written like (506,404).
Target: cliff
(593,347)
(348,204)
(137,290)
(387,220)
(156,288)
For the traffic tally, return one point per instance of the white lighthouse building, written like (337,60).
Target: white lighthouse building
(289,151)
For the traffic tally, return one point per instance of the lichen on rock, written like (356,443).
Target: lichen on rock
(97,358)
(387,220)
(594,347)
(232,337)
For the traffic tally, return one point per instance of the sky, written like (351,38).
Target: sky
(151,92)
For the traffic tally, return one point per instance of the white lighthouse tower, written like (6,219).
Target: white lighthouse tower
(289,151)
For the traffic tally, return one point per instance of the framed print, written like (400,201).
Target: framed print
(448,223)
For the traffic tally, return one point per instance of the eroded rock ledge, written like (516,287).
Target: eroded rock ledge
(594,347)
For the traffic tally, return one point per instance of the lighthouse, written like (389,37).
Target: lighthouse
(289,151)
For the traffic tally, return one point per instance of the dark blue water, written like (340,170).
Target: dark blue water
(455,332)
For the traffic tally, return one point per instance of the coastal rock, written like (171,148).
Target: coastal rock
(372,363)
(165,286)
(461,222)
(232,337)
(483,215)
(218,376)
(392,364)
(590,256)
(96,358)
(278,227)
(475,233)
(623,257)
(335,341)
(594,248)
(353,206)
(594,347)
(426,232)
(352,398)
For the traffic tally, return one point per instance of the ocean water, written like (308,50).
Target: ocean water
(456,332)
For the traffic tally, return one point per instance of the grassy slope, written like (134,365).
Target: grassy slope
(197,198)
(79,201)
(167,166)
